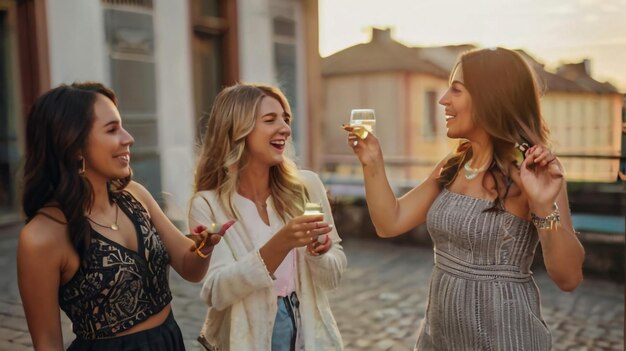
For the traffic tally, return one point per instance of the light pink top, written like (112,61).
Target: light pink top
(261,233)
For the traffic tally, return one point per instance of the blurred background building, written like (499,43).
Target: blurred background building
(404,84)
(166,60)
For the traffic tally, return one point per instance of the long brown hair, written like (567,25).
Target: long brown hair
(57,129)
(222,154)
(505,103)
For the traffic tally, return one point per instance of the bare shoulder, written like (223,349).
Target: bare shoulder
(438,167)
(443,162)
(429,188)
(516,187)
(516,201)
(140,193)
(45,234)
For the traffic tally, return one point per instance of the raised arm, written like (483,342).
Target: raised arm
(186,262)
(41,254)
(391,216)
(563,254)
(545,185)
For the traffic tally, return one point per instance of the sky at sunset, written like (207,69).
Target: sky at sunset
(554,31)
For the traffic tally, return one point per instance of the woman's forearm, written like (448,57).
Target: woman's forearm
(194,266)
(381,201)
(563,257)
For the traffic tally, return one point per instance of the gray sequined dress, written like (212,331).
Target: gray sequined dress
(482,295)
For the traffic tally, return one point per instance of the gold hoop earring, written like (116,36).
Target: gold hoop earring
(81,169)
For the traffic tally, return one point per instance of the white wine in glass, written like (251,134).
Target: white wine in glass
(315,208)
(362,121)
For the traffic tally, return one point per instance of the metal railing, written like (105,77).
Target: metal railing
(597,206)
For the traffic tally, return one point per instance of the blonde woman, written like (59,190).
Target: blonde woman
(268,276)
(487,208)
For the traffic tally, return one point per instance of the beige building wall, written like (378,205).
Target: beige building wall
(400,101)
(311,74)
(428,145)
(580,124)
(585,124)
(382,92)
(258,38)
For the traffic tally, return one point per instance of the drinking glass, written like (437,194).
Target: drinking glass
(315,208)
(362,121)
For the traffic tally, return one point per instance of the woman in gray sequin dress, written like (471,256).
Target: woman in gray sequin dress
(487,207)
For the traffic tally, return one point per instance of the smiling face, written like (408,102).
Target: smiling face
(267,141)
(458,107)
(107,152)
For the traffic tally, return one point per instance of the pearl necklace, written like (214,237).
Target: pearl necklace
(471,173)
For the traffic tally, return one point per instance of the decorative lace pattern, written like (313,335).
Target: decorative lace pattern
(116,288)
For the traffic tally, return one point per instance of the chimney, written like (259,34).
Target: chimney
(573,71)
(587,66)
(381,35)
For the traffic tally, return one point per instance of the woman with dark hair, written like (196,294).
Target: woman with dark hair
(96,244)
(487,206)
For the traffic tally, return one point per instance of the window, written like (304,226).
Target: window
(285,64)
(568,125)
(429,125)
(207,75)
(129,32)
(214,53)
(10,152)
(209,8)
(622,166)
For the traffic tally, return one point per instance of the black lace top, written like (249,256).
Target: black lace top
(116,288)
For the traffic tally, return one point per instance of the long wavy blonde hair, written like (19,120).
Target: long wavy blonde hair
(505,102)
(223,155)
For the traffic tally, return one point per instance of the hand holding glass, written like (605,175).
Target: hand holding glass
(362,121)
(314,208)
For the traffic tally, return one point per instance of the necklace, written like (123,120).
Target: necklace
(113,226)
(471,173)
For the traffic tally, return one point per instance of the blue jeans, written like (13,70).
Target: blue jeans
(284,334)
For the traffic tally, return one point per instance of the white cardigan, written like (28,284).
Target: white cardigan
(240,292)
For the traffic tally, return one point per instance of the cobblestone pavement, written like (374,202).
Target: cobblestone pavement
(378,306)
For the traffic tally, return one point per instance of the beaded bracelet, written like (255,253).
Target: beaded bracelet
(551,221)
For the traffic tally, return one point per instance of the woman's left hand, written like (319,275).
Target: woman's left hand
(542,176)
(206,238)
(316,248)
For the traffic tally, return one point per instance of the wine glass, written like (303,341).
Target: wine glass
(315,208)
(362,121)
